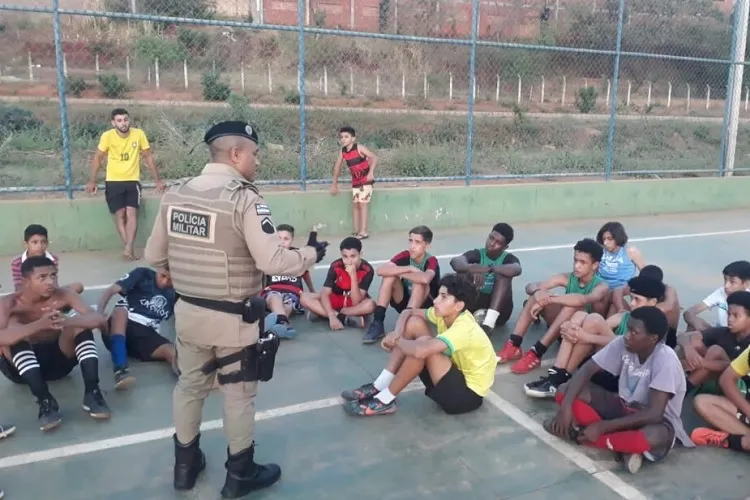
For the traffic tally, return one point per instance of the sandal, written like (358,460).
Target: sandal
(362,236)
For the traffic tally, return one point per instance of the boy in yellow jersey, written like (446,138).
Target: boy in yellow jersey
(457,366)
(123,147)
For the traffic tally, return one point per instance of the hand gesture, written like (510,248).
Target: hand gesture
(693,360)
(51,319)
(541,297)
(389,342)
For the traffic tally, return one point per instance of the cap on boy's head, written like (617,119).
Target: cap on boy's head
(653,319)
(34,230)
(652,271)
(647,287)
(231,128)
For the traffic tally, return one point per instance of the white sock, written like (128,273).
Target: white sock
(490,318)
(385,396)
(384,380)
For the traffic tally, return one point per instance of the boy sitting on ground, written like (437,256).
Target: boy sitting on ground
(736,278)
(729,413)
(709,353)
(410,281)
(643,418)
(35,242)
(584,290)
(669,304)
(492,270)
(344,297)
(282,293)
(457,366)
(133,328)
(586,333)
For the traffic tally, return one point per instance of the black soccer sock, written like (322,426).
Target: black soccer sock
(516,340)
(379,314)
(27,365)
(559,375)
(539,349)
(735,442)
(88,360)
(281,319)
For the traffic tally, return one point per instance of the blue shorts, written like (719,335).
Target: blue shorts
(290,299)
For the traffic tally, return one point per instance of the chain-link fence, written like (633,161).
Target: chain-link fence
(439,89)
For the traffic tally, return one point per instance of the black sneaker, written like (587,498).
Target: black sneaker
(544,388)
(49,414)
(487,329)
(95,406)
(123,379)
(374,332)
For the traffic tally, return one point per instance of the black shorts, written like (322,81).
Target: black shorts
(609,406)
(451,392)
(400,306)
(121,194)
(140,341)
(671,338)
(53,362)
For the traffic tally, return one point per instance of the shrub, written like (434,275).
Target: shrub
(586,99)
(213,88)
(112,87)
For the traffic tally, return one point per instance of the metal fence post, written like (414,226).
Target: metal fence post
(301,90)
(61,96)
(472,87)
(733,96)
(613,97)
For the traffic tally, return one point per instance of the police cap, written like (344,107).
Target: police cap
(231,128)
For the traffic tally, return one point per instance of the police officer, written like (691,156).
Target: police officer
(216,235)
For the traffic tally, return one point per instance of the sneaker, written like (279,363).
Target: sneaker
(703,436)
(6,430)
(528,362)
(370,408)
(633,462)
(283,331)
(375,332)
(49,414)
(487,330)
(123,379)
(355,322)
(95,406)
(509,352)
(544,388)
(361,393)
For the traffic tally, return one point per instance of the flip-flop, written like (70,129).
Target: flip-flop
(362,236)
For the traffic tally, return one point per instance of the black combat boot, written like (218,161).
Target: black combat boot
(189,461)
(244,475)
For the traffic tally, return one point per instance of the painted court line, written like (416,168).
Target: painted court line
(545,248)
(608,478)
(145,437)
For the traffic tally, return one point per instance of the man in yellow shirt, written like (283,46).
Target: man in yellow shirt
(123,146)
(457,366)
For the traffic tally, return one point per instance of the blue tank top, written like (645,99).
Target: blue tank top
(616,268)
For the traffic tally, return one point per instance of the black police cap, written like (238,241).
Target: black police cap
(231,128)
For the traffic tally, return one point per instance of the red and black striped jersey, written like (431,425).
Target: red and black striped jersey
(339,281)
(358,165)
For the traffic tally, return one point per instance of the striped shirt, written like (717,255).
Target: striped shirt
(15,267)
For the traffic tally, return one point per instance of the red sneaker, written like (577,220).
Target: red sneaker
(509,352)
(528,362)
(703,436)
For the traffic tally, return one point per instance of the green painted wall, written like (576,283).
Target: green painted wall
(85,224)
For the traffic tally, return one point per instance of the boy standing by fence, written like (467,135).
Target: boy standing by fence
(361,163)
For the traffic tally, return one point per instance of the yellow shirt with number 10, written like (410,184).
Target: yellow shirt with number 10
(123,154)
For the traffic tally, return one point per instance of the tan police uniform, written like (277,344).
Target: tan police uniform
(215,234)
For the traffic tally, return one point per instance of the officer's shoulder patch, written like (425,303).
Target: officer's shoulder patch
(237,184)
(262,209)
(267,225)
(189,223)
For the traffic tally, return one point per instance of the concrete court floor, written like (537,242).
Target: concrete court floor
(498,452)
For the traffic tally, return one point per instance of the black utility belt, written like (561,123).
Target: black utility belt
(251,309)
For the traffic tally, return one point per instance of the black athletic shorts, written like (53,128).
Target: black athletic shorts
(140,341)
(609,406)
(451,392)
(400,306)
(121,194)
(54,364)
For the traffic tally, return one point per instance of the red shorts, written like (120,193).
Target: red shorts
(338,302)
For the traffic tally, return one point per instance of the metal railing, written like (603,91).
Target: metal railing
(520,118)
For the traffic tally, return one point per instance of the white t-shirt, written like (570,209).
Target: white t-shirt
(718,300)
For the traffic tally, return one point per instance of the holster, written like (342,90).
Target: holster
(256,361)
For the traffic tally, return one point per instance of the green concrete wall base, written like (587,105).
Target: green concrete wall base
(85,224)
